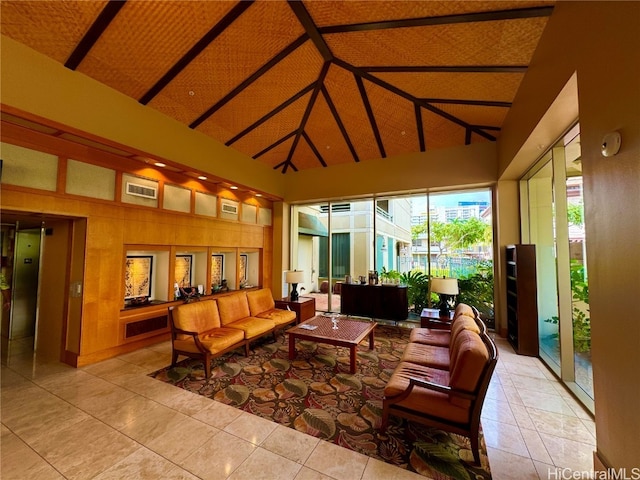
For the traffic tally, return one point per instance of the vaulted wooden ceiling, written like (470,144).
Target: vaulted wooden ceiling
(301,84)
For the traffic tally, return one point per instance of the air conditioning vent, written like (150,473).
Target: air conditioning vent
(142,190)
(229,208)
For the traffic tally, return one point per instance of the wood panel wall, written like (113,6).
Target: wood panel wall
(110,227)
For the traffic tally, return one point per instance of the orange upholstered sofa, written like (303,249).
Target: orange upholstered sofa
(444,385)
(210,328)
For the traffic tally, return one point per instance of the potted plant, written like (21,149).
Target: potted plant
(417,284)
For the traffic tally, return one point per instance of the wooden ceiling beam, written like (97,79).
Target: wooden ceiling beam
(338,120)
(194,51)
(310,105)
(274,144)
(90,38)
(513,14)
(488,127)
(314,149)
(312,30)
(481,103)
(419,127)
(411,98)
(255,76)
(446,69)
(273,112)
(370,115)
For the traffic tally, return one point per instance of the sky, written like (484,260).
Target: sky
(419,204)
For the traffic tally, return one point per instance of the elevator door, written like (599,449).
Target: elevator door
(25,294)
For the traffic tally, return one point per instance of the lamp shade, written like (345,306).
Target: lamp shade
(446,286)
(294,276)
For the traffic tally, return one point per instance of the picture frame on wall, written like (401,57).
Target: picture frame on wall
(217,271)
(244,265)
(138,276)
(183,270)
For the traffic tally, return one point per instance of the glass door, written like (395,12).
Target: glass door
(554,220)
(542,234)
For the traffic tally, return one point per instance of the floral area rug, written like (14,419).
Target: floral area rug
(316,394)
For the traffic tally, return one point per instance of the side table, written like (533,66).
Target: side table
(433,319)
(305,307)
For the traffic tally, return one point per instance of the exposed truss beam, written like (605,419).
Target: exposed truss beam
(274,145)
(307,112)
(370,115)
(442,20)
(467,136)
(481,103)
(273,112)
(447,69)
(360,74)
(256,75)
(488,127)
(314,149)
(338,120)
(419,127)
(194,51)
(312,30)
(107,14)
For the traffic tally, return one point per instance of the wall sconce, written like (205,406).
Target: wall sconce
(611,144)
(294,277)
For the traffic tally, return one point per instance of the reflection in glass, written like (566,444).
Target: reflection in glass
(542,232)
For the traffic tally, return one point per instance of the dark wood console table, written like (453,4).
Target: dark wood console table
(375,301)
(305,307)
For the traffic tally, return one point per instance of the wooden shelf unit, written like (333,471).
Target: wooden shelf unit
(522,308)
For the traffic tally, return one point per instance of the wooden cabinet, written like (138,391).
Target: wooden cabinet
(375,301)
(522,307)
(305,307)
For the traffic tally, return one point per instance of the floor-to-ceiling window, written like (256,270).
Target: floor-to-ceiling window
(403,238)
(554,222)
(542,235)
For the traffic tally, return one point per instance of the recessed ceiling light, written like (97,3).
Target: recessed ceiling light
(403,133)
(258,194)
(191,93)
(202,177)
(160,164)
(233,187)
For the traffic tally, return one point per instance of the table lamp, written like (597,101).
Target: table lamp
(445,287)
(294,277)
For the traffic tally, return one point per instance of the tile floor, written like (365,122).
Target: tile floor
(111,421)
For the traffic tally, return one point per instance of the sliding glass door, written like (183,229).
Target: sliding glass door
(554,222)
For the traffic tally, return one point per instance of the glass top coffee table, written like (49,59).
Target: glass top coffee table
(349,333)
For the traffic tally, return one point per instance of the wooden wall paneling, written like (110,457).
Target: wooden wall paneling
(103,283)
(61,186)
(267,257)
(72,327)
(104,229)
(173,250)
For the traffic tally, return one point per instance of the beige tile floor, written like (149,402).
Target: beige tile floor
(111,421)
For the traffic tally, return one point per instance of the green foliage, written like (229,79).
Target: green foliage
(389,274)
(461,234)
(455,235)
(581,320)
(575,214)
(417,230)
(477,289)
(417,284)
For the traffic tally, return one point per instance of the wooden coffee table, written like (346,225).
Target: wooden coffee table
(349,334)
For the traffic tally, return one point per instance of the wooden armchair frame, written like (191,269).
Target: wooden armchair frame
(204,354)
(471,427)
